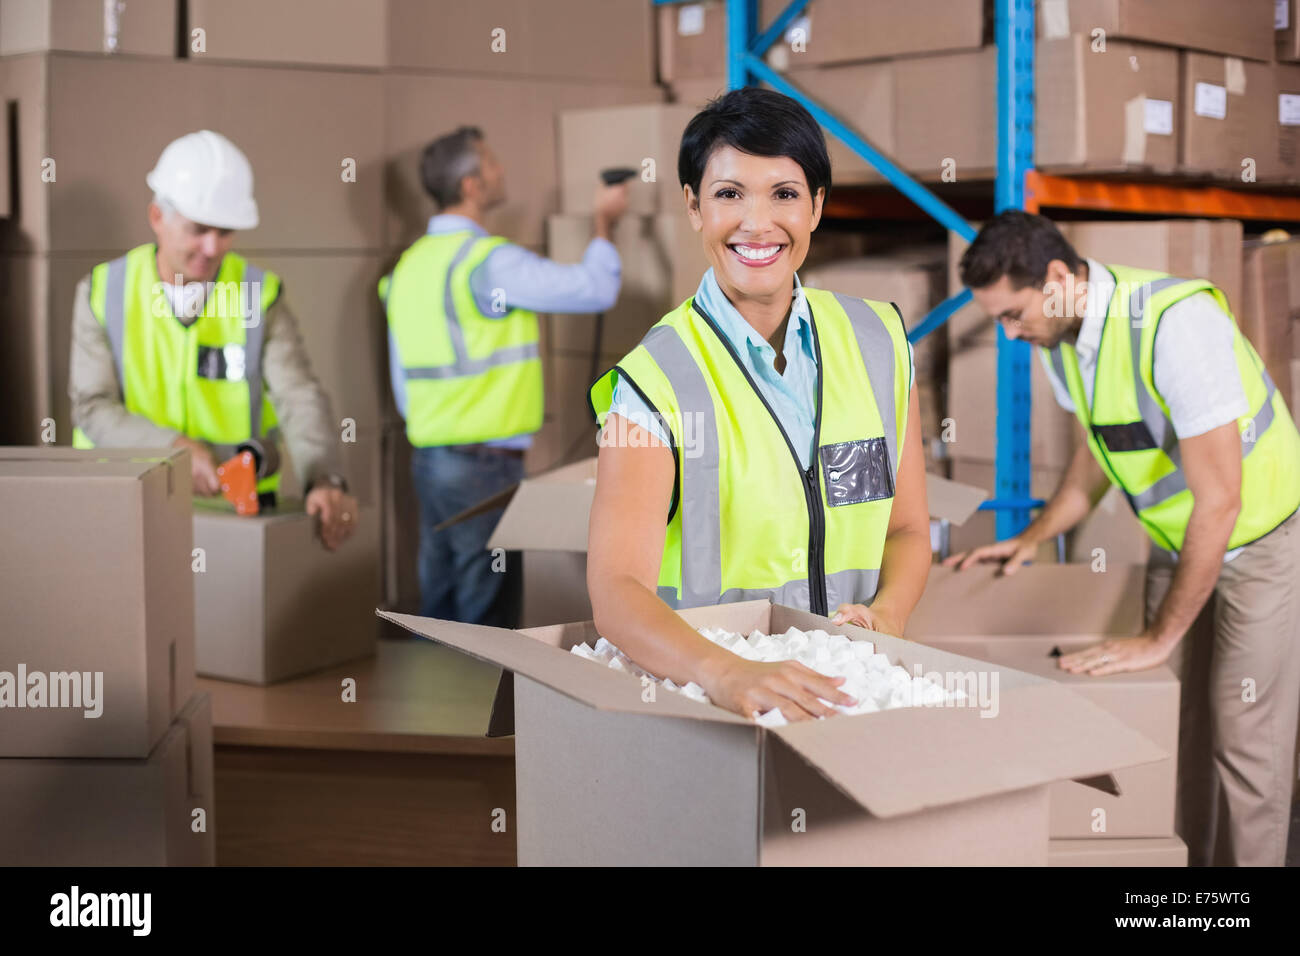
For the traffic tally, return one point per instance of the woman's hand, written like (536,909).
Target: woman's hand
(872,618)
(749,687)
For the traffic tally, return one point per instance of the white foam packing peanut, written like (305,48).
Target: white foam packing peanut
(870,679)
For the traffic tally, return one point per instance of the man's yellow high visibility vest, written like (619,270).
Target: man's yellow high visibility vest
(469,377)
(204,380)
(747,520)
(1130,432)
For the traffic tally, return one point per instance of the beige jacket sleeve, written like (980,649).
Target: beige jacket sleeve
(301,406)
(96,393)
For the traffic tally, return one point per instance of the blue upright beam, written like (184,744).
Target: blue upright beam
(1014,35)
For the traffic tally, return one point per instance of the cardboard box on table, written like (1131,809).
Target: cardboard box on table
(1018,621)
(671,781)
(116,812)
(271,602)
(546,518)
(96,580)
(1149,851)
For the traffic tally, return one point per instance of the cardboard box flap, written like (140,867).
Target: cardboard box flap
(549,513)
(499,500)
(951,500)
(909,759)
(559,670)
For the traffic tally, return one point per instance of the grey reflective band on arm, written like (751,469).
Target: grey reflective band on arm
(877,348)
(700,496)
(115,315)
(254,335)
(462,365)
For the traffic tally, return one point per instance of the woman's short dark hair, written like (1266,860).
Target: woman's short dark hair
(448,160)
(1018,245)
(760,122)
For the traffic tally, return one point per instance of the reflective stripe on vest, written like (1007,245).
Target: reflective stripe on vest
(1265,502)
(136,382)
(697,523)
(467,398)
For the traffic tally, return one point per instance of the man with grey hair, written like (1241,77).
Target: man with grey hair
(462,310)
(184,343)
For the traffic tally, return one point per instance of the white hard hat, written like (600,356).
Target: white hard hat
(207,179)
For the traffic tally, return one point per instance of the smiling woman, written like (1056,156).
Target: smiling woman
(761,441)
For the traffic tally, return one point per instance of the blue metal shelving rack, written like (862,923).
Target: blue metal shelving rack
(1014,36)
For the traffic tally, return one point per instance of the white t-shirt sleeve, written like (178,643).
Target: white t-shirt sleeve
(1059,388)
(1196,368)
(627,403)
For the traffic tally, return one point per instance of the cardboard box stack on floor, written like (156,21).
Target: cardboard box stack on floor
(1027,621)
(668,780)
(105,748)
(1191,248)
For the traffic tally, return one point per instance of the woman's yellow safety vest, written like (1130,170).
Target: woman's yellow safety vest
(469,377)
(204,380)
(747,520)
(1129,428)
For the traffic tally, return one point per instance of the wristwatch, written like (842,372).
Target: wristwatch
(330,478)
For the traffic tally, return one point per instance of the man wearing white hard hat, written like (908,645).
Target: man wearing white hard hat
(183,343)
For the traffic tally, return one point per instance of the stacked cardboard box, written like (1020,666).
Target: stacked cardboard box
(1270,305)
(134,27)
(105,749)
(1022,622)
(669,780)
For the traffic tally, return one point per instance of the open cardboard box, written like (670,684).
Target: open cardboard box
(1020,621)
(608,773)
(546,518)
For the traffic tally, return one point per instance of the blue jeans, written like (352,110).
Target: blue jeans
(460,580)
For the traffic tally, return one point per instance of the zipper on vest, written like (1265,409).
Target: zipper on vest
(807,477)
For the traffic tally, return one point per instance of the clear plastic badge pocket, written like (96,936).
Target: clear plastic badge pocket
(857,471)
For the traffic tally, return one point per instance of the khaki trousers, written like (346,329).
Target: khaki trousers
(1239,665)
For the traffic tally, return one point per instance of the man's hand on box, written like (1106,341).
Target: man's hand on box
(754,687)
(337,511)
(1117,656)
(1011,554)
(203,467)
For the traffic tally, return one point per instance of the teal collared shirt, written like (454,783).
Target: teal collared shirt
(792,395)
